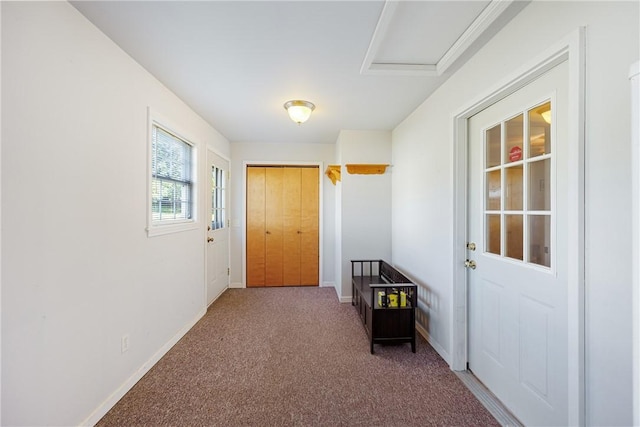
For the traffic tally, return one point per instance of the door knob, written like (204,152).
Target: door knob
(471,246)
(470,264)
(209,239)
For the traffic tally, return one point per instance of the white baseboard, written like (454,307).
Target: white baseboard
(239,285)
(342,299)
(217,296)
(437,347)
(110,402)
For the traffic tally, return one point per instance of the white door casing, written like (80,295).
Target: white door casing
(217,229)
(634,77)
(518,221)
(572,49)
(320,166)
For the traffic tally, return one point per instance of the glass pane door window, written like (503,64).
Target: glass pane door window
(218,184)
(518,178)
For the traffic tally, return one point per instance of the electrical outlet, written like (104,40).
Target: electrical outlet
(125,343)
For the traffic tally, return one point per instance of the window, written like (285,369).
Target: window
(518,187)
(171,185)
(217,198)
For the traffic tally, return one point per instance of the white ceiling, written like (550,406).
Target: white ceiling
(365,64)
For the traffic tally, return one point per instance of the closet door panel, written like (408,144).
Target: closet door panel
(256,226)
(309,225)
(274,227)
(291,199)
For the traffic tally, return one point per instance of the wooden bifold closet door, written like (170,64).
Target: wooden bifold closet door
(282,226)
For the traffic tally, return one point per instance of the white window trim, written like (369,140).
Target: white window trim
(176,226)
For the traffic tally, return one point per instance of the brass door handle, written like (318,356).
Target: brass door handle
(470,264)
(209,239)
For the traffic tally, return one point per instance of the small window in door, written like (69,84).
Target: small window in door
(218,185)
(518,178)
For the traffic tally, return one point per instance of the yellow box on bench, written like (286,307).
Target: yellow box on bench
(392,299)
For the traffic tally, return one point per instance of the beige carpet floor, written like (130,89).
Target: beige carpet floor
(294,357)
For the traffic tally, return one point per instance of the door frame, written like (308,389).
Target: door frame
(206,215)
(634,78)
(246,164)
(571,49)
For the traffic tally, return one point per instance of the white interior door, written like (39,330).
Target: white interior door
(518,220)
(218,226)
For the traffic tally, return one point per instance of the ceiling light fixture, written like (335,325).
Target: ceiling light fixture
(299,110)
(546,116)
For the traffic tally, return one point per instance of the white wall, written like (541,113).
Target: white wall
(364,207)
(79,271)
(242,152)
(423,180)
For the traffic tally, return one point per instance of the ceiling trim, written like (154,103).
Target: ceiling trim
(487,17)
(378,68)
(386,16)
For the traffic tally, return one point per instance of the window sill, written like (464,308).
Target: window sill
(161,230)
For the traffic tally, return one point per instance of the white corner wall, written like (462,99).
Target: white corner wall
(78,270)
(364,207)
(423,179)
(242,153)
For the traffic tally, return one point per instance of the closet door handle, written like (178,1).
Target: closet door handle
(299,232)
(267,232)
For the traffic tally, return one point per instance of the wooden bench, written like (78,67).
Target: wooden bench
(386,301)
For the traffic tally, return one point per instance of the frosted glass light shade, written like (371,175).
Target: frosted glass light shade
(298,110)
(546,116)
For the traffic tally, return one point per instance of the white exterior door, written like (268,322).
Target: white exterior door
(217,226)
(517,217)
